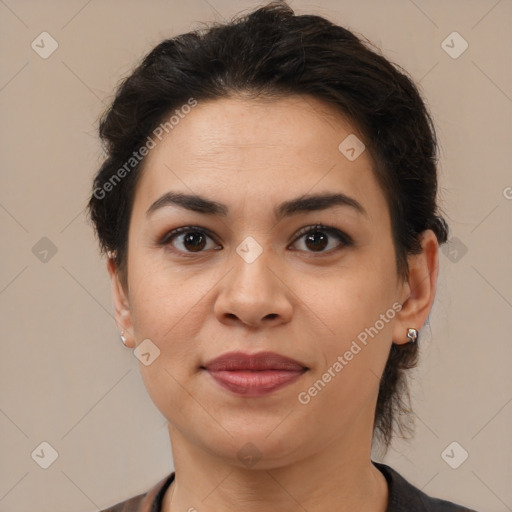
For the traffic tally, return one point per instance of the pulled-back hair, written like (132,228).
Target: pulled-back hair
(272,53)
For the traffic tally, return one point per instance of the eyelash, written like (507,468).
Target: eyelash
(345,239)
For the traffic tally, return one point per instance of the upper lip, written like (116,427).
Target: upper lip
(232,361)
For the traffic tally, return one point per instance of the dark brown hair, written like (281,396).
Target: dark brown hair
(272,53)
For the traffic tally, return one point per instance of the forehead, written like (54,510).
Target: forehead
(252,148)
(236,124)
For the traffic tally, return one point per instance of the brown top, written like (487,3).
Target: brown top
(403,497)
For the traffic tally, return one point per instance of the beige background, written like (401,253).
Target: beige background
(66,378)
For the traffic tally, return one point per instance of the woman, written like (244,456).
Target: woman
(268,208)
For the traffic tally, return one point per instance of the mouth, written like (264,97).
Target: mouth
(253,375)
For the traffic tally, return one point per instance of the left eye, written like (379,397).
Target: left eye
(316,238)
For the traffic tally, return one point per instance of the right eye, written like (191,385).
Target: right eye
(192,239)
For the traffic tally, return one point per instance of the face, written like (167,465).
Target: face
(257,271)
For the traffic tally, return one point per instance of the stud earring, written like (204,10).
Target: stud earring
(123,338)
(412,334)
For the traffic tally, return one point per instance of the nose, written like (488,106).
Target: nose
(254,294)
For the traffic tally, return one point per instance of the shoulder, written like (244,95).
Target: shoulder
(404,497)
(150,501)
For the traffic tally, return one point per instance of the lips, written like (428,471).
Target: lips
(254,374)
(234,361)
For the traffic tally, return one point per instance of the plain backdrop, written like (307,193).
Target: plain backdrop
(67,380)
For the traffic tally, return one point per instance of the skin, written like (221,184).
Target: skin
(294,299)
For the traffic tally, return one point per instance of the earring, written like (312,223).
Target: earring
(123,338)
(412,334)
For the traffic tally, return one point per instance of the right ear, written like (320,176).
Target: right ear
(122,312)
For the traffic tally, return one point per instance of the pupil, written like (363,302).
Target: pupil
(316,237)
(195,244)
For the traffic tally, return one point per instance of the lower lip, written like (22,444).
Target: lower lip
(255,383)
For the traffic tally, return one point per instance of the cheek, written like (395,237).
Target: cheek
(354,298)
(352,357)
(166,309)
(160,297)
(357,308)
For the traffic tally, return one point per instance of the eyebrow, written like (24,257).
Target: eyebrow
(302,204)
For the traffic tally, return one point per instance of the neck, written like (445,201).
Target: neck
(339,477)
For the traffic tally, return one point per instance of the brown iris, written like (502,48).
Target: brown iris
(318,240)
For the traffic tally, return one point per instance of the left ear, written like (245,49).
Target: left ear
(418,292)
